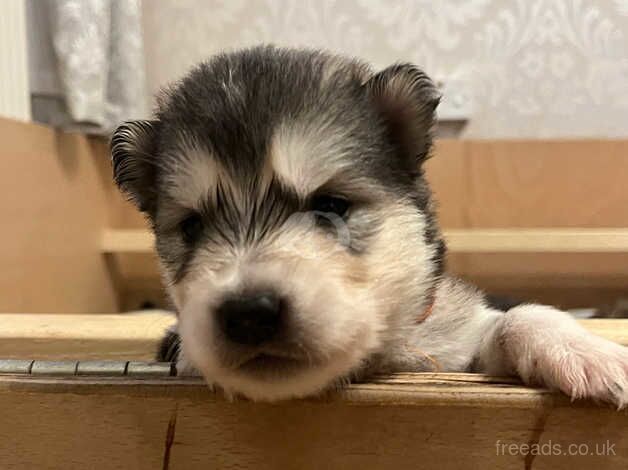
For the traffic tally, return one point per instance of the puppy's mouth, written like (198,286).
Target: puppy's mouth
(270,362)
(267,365)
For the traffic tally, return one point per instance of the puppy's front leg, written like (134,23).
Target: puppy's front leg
(545,346)
(170,350)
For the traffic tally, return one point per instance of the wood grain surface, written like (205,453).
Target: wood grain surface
(440,421)
(54,209)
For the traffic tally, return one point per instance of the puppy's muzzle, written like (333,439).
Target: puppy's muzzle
(252,318)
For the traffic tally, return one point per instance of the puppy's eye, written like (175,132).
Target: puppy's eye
(331,204)
(191,228)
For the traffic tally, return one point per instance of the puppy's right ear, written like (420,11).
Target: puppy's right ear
(406,99)
(133,147)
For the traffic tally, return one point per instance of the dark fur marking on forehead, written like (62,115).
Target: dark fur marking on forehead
(232,104)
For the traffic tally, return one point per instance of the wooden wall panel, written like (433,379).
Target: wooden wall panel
(447,174)
(572,268)
(53,208)
(547,183)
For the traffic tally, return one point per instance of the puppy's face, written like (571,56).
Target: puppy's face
(292,221)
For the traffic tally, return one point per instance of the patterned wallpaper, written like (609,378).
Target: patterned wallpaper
(534,68)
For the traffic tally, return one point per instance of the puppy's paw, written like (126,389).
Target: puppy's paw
(547,347)
(169,346)
(170,350)
(587,367)
(185,368)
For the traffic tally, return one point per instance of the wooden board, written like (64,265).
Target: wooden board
(574,240)
(441,421)
(570,240)
(133,335)
(54,209)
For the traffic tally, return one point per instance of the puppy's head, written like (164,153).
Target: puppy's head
(292,220)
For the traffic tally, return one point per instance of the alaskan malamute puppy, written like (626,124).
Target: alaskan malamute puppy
(298,242)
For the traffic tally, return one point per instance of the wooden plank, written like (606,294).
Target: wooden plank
(71,336)
(127,241)
(564,293)
(570,240)
(133,335)
(571,280)
(574,240)
(50,427)
(615,330)
(442,421)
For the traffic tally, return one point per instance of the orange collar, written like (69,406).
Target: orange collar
(426,313)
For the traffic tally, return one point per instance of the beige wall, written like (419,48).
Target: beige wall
(536,68)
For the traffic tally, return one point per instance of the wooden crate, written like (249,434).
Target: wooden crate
(443,421)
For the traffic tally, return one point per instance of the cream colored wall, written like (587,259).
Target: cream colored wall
(536,68)
(14,100)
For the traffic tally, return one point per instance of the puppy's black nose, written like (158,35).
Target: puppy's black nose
(250,319)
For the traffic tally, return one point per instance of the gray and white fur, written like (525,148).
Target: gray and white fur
(298,241)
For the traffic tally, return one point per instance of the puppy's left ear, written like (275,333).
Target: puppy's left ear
(407,99)
(133,155)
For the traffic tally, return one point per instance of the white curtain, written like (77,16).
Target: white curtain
(87,64)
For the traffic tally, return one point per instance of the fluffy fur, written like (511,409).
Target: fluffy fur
(238,153)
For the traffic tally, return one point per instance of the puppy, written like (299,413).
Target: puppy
(298,242)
